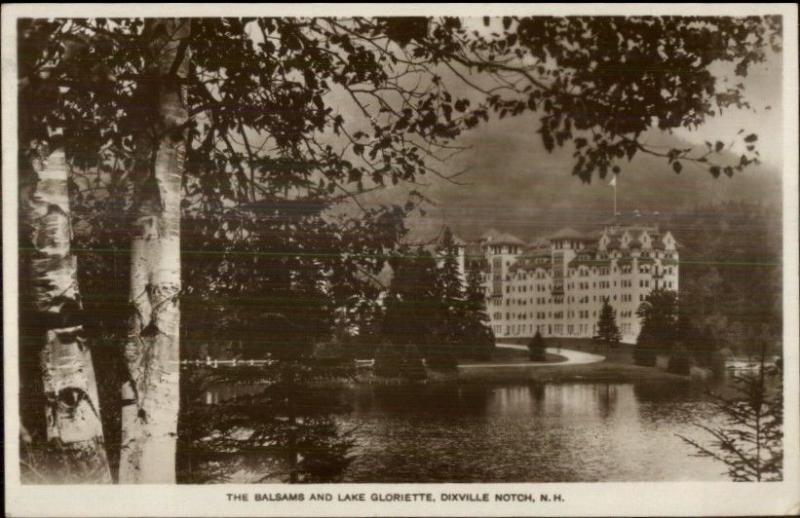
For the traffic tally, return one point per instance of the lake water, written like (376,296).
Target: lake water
(526,433)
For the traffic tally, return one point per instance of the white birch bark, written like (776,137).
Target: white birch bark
(72,409)
(151,394)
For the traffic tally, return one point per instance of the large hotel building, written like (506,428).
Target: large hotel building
(557,285)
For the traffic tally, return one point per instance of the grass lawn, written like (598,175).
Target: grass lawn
(501,355)
(617,367)
(621,353)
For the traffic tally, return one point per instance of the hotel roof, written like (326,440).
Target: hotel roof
(424,235)
(501,238)
(569,233)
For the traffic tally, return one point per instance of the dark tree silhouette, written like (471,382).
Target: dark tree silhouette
(415,308)
(537,348)
(453,330)
(679,361)
(607,330)
(659,317)
(479,336)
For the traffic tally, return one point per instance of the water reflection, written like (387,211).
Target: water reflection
(551,432)
(516,433)
(220,392)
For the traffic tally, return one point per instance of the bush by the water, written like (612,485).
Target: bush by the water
(537,348)
(679,362)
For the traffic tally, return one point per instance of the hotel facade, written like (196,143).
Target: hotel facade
(557,285)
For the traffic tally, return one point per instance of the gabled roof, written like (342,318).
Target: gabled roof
(456,240)
(568,233)
(425,235)
(501,238)
(677,244)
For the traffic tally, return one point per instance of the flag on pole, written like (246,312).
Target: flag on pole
(613,182)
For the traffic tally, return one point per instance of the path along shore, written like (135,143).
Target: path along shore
(578,366)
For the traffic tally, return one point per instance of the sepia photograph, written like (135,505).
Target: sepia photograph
(278,251)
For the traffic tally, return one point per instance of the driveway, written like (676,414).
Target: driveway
(572,358)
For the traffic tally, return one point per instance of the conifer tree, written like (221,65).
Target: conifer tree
(537,348)
(750,442)
(607,328)
(449,274)
(453,327)
(645,351)
(480,338)
(414,305)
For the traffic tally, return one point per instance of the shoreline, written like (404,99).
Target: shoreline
(581,362)
(603,372)
(607,372)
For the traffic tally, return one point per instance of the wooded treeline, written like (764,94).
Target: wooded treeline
(731,273)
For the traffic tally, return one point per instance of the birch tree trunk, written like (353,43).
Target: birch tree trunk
(151,393)
(72,407)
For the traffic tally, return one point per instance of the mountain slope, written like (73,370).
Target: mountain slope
(517,186)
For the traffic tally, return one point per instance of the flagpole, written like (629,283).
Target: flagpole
(613,183)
